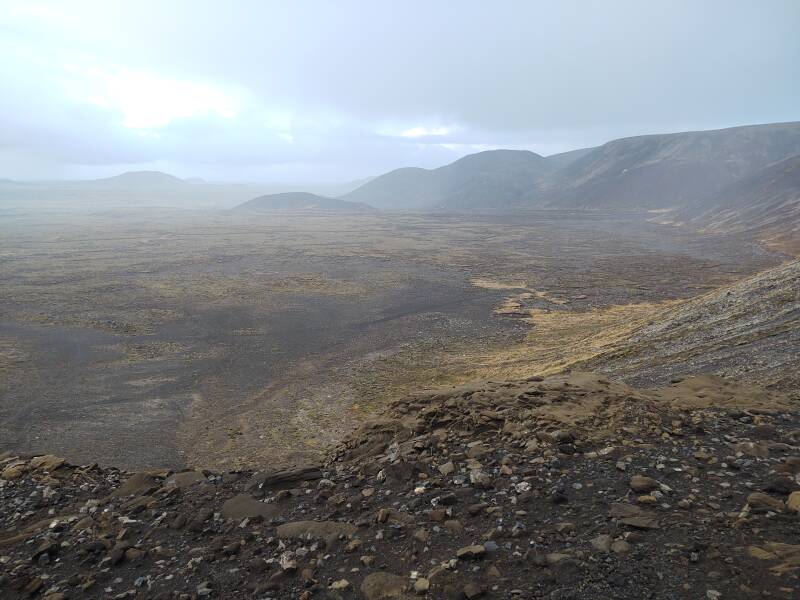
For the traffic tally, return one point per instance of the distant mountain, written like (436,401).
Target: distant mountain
(671,170)
(491,179)
(141,179)
(302,201)
(666,171)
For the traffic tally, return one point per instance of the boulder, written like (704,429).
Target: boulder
(244,506)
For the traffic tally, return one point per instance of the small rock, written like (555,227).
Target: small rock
(381,584)
(602,542)
(447,468)
(642,484)
(476,551)
(472,590)
(480,479)
(759,502)
(793,502)
(422,585)
(341,584)
(620,546)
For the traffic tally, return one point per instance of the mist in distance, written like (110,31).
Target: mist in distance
(312,94)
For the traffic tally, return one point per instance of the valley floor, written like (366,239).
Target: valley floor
(159,338)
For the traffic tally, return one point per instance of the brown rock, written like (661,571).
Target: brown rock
(422,585)
(759,502)
(133,554)
(287,477)
(476,551)
(353,545)
(245,506)
(381,584)
(472,590)
(447,468)
(453,525)
(185,479)
(315,529)
(602,542)
(620,546)
(480,479)
(390,515)
(634,516)
(642,484)
(753,449)
(12,472)
(793,502)
(33,586)
(477,451)
(47,462)
(138,483)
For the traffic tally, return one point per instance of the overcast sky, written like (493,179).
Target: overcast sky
(329,91)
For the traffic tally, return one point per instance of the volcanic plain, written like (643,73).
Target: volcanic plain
(146,338)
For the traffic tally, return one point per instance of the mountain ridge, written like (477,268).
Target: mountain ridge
(463,183)
(654,171)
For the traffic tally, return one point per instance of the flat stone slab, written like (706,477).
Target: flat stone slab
(315,529)
(247,507)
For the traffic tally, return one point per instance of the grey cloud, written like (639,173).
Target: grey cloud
(544,76)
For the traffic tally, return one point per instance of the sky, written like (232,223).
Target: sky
(331,91)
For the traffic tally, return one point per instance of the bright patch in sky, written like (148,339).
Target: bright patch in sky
(147,101)
(415,132)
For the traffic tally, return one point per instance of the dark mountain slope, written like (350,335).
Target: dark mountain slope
(491,179)
(562,159)
(672,170)
(749,330)
(301,201)
(646,172)
(766,204)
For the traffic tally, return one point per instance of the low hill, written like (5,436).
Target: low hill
(671,170)
(301,201)
(491,179)
(141,179)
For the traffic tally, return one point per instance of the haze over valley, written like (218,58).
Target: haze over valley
(375,301)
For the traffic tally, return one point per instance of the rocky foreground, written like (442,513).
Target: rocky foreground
(566,487)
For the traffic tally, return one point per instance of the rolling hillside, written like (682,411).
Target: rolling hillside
(140,179)
(301,201)
(649,172)
(766,204)
(672,170)
(491,179)
(750,330)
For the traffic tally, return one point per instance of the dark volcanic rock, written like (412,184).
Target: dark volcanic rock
(469,509)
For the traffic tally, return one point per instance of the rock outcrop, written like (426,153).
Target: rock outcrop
(566,486)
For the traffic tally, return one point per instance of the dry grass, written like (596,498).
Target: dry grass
(558,339)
